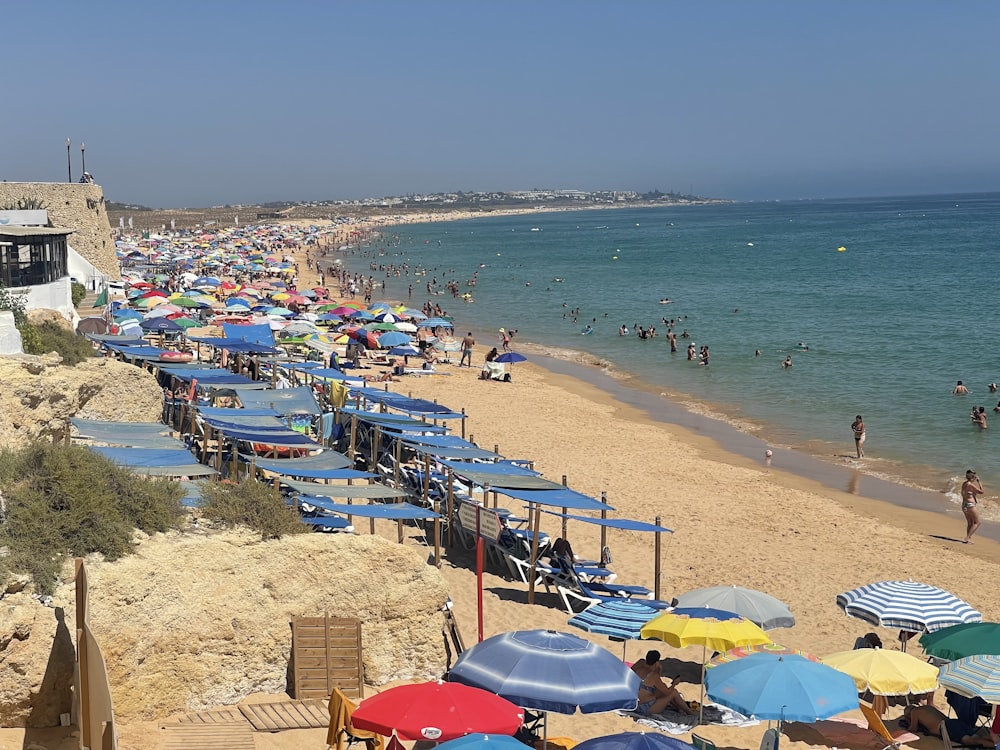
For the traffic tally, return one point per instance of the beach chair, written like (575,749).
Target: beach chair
(876,725)
(702,743)
(770,740)
(340,734)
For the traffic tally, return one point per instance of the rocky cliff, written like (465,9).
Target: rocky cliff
(38,396)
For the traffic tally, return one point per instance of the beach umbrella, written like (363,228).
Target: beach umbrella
(281,312)
(402,325)
(759,608)
(128,315)
(186,323)
(619,619)
(782,688)
(162,324)
(764,648)
(959,641)
(885,672)
(973,676)
(478,741)
(549,671)
(359,315)
(92,325)
(407,350)
(907,605)
(436,711)
(705,627)
(342,310)
(436,323)
(511,357)
(447,344)
(702,626)
(393,338)
(634,741)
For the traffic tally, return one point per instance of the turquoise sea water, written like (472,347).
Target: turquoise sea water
(892,322)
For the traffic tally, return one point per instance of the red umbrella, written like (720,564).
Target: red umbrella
(437,711)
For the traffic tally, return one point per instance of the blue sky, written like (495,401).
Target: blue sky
(213,102)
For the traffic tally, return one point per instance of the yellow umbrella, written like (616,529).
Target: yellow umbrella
(280,296)
(702,626)
(705,627)
(885,672)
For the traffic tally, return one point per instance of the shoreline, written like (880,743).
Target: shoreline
(740,437)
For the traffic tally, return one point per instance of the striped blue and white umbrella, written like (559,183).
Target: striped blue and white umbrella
(973,676)
(907,605)
(549,671)
(620,619)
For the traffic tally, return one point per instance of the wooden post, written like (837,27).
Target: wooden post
(395,464)
(354,437)
(82,655)
(656,558)
(534,554)
(437,535)
(451,503)
(565,520)
(604,529)
(399,530)
(464,417)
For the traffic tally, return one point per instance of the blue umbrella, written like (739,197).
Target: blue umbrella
(619,619)
(407,350)
(482,742)
(782,688)
(511,357)
(160,324)
(549,671)
(393,338)
(128,315)
(435,322)
(634,741)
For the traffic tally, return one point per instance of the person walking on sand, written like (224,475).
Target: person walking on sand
(467,343)
(859,435)
(972,488)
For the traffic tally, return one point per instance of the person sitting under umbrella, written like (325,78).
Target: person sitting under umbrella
(930,720)
(654,694)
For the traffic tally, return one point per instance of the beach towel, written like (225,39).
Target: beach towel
(674,722)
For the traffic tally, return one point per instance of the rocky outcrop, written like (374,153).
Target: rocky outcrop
(38,396)
(194,620)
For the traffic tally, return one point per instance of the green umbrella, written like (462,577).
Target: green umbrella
(959,641)
(187,323)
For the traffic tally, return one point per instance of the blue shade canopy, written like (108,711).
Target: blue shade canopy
(613,523)
(907,605)
(781,688)
(257,334)
(325,465)
(298,400)
(394,511)
(549,671)
(634,741)
(559,496)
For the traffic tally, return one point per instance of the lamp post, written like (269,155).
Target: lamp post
(69,163)
(83,158)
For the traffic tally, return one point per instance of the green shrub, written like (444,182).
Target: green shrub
(253,504)
(78,292)
(67,500)
(52,337)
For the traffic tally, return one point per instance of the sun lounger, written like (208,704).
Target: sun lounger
(876,725)
(328,523)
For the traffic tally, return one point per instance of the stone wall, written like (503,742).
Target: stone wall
(73,206)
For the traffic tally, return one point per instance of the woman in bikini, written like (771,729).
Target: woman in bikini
(972,488)
(654,694)
(859,435)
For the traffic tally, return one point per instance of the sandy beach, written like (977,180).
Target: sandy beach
(735,521)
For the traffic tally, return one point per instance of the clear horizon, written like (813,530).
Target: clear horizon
(242,103)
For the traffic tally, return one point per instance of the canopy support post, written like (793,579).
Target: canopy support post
(656,560)
(534,552)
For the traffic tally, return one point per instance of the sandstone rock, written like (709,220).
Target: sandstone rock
(41,315)
(36,663)
(194,620)
(38,397)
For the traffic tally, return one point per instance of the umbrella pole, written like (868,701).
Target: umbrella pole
(701,703)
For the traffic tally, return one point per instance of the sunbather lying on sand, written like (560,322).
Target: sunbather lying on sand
(929,720)
(654,694)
